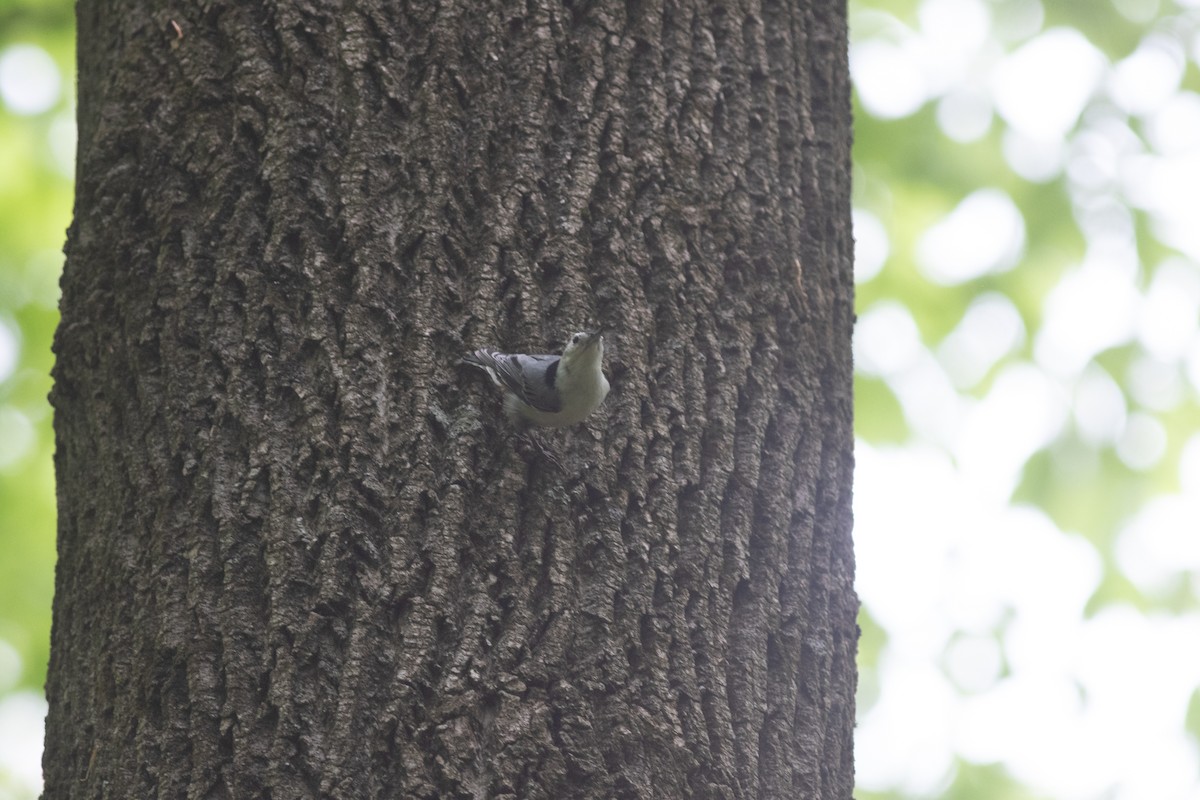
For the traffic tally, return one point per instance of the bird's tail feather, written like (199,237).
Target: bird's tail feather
(485,360)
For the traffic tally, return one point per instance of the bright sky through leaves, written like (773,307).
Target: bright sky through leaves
(1028,211)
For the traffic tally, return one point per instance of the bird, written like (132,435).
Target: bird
(546,390)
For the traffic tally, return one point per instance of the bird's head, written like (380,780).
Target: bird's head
(584,345)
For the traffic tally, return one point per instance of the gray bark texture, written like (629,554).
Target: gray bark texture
(301,551)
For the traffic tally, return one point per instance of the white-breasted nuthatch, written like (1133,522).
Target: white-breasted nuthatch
(551,391)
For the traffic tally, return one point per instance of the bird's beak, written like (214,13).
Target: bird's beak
(593,337)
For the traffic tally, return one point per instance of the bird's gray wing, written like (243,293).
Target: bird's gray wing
(530,378)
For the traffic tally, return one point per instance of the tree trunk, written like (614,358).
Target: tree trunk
(301,552)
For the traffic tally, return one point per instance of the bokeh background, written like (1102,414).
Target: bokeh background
(1027,214)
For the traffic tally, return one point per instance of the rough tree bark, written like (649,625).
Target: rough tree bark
(299,553)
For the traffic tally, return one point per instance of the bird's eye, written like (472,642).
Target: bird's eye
(575,339)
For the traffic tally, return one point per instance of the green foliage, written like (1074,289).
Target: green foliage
(36,154)
(988,782)
(1192,721)
(885,423)
(1121,409)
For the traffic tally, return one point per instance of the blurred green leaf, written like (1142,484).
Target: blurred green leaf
(35,205)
